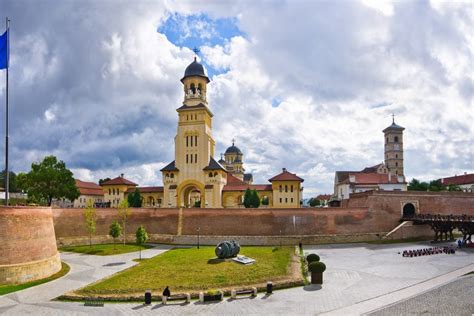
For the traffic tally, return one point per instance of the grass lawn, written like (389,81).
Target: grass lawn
(194,269)
(104,249)
(5,289)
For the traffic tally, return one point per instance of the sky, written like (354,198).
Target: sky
(303,85)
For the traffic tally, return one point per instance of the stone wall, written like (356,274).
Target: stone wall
(367,215)
(27,244)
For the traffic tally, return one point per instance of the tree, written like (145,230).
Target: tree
(48,180)
(90,216)
(12,181)
(255,199)
(265,200)
(141,237)
(248,198)
(436,185)
(124,213)
(103,180)
(416,185)
(115,231)
(135,199)
(314,202)
(454,187)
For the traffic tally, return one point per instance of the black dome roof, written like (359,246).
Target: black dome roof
(195,69)
(233,150)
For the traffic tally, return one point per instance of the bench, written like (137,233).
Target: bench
(251,291)
(177,297)
(94,303)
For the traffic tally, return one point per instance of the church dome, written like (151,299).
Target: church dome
(233,150)
(195,69)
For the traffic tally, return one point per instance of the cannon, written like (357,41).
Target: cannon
(227,249)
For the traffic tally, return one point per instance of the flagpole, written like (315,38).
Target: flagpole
(7,174)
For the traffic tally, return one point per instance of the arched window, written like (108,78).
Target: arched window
(110,192)
(195,158)
(215,174)
(291,189)
(281,190)
(187,158)
(193,88)
(199,88)
(172,175)
(195,140)
(286,188)
(187,141)
(396,155)
(210,174)
(395,139)
(396,164)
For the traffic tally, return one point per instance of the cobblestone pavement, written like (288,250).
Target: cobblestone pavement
(359,278)
(454,298)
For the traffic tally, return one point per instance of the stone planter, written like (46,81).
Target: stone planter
(210,297)
(316,278)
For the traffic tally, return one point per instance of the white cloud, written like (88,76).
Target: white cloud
(337,70)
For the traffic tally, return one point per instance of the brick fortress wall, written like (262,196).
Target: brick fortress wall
(365,216)
(27,245)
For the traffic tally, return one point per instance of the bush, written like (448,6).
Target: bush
(317,267)
(312,257)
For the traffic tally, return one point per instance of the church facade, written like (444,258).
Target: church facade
(196,178)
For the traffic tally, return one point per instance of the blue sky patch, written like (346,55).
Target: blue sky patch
(199,30)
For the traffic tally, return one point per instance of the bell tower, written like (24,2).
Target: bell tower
(394,148)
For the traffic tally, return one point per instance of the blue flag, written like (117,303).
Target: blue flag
(4,53)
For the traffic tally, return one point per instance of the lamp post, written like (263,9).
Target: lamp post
(198,229)
(280,238)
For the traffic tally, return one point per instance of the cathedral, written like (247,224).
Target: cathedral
(196,178)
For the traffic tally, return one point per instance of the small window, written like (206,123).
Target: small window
(191,158)
(187,141)
(215,174)
(187,159)
(280,200)
(172,176)
(291,200)
(195,140)
(396,164)
(286,188)
(281,190)
(286,200)
(191,141)
(396,172)
(195,158)
(291,188)
(110,192)
(395,139)
(210,174)
(396,155)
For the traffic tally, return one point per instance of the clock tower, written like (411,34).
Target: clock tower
(394,148)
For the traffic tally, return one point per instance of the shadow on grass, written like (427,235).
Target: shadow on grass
(312,287)
(215,261)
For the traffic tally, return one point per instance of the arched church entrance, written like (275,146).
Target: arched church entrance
(191,195)
(409,210)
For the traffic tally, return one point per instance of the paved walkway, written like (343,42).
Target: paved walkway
(360,278)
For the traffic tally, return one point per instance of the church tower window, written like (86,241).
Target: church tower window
(395,139)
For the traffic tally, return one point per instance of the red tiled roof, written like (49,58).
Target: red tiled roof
(243,187)
(371,178)
(235,184)
(458,180)
(88,188)
(286,176)
(323,197)
(119,181)
(146,189)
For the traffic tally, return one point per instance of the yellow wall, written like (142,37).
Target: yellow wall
(235,198)
(115,193)
(284,196)
(84,200)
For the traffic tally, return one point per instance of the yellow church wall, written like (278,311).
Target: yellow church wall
(286,194)
(118,196)
(235,198)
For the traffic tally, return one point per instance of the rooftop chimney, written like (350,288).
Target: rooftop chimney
(284,169)
(121,175)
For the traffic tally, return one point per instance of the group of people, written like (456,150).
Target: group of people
(428,251)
